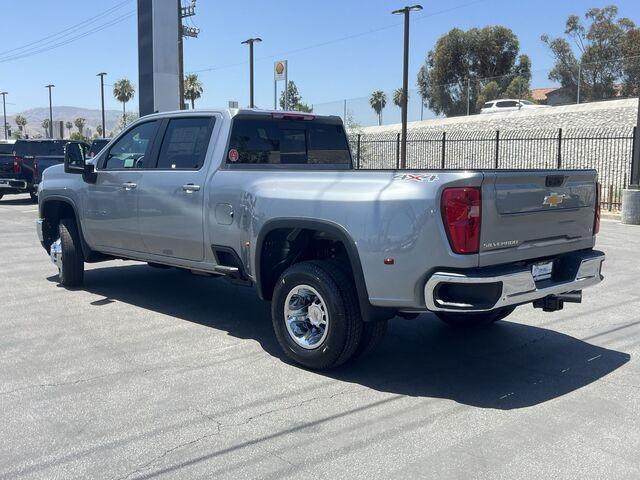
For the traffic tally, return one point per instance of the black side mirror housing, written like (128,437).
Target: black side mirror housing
(74,158)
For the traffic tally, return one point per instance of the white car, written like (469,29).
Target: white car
(509,105)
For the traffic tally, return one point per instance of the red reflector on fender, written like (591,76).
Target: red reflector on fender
(461,214)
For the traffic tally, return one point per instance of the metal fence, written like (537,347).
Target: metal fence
(609,151)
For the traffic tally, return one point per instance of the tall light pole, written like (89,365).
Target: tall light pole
(250,42)
(101,75)
(405,79)
(50,86)
(4,113)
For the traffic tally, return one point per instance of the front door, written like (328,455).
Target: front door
(111,210)
(171,200)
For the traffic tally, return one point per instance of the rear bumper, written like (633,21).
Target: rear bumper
(11,184)
(486,290)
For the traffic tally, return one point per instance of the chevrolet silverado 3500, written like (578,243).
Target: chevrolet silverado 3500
(271,199)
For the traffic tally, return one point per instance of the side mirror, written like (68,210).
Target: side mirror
(74,159)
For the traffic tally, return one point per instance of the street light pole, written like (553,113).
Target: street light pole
(101,75)
(250,42)
(50,86)
(4,113)
(405,79)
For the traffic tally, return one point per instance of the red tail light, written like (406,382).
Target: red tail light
(596,218)
(17,164)
(461,213)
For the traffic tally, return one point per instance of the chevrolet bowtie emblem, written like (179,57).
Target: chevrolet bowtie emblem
(553,200)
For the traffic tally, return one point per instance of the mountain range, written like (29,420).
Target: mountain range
(93,118)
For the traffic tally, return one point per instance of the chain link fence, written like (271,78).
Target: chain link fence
(609,151)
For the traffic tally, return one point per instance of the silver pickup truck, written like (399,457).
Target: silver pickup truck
(271,199)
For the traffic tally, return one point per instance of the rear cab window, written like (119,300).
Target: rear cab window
(262,141)
(185,142)
(6,149)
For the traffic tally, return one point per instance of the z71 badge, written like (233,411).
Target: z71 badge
(416,177)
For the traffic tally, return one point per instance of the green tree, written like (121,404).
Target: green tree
(594,60)
(45,125)
(397,97)
(378,100)
(68,126)
(21,122)
(518,88)
(192,88)
(80,123)
(79,137)
(293,99)
(489,92)
(472,58)
(631,66)
(123,91)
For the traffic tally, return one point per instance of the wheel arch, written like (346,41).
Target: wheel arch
(335,231)
(52,210)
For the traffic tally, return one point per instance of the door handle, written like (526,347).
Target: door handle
(190,188)
(129,185)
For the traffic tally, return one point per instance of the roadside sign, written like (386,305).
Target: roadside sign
(280,70)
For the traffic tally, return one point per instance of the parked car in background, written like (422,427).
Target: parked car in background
(509,105)
(22,170)
(96,145)
(271,199)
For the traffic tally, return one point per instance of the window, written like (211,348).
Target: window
(185,143)
(526,102)
(507,103)
(488,105)
(291,142)
(129,150)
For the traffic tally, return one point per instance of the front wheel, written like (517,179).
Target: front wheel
(470,320)
(316,316)
(66,253)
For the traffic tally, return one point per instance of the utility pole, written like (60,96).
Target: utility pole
(579,81)
(184,31)
(50,86)
(405,79)
(4,113)
(250,42)
(101,75)
(468,96)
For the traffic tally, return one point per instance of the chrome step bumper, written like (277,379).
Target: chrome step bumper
(9,183)
(512,288)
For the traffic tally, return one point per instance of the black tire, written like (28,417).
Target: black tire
(72,272)
(1,195)
(34,197)
(372,335)
(474,320)
(344,328)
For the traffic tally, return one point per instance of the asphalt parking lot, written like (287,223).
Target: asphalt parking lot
(148,373)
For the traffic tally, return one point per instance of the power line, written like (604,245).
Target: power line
(67,31)
(340,39)
(38,50)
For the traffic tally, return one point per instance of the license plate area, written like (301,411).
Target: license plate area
(542,270)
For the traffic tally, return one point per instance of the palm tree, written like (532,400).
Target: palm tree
(21,122)
(99,131)
(79,123)
(378,101)
(69,126)
(123,91)
(192,88)
(397,97)
(45,126)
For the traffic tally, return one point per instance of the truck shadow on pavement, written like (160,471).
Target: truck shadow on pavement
(505,366)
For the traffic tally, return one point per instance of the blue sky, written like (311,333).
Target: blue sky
(338,69)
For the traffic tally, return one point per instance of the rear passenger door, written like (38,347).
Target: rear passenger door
(171,202)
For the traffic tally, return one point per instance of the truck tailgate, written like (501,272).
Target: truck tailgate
(533,214)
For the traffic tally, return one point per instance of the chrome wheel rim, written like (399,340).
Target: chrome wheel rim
(306,317)
(56,255)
